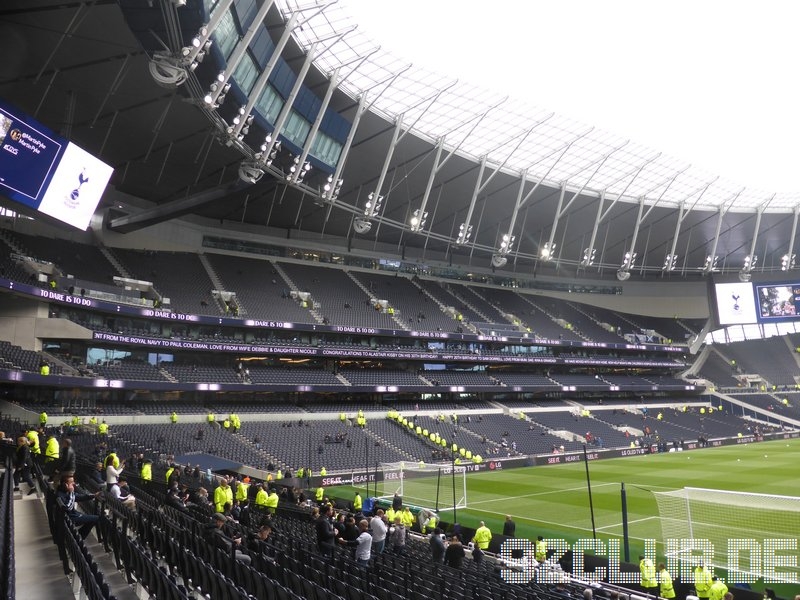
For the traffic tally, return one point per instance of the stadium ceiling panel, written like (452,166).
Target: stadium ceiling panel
(83,68)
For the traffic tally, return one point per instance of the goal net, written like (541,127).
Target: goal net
(431,486)
(749,535)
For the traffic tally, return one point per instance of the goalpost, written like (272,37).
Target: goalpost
(431,486)
(751,535)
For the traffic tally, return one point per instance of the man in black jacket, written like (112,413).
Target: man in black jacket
(216,534)
(23,462)
(66,458)
(326,533)
(509,527)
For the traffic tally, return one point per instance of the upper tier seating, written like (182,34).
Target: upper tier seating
(340,298)
(415,309)
(129,369)
(717,370)
(381,377)
(179,276)
(529,438)
(83,261)
(771,358)
(260,289)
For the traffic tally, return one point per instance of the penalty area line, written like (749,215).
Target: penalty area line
(629,522)
(534,494)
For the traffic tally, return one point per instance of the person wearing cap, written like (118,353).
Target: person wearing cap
(217,535)
(272,501)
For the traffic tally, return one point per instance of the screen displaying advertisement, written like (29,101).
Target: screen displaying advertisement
(46,172)
(735,303)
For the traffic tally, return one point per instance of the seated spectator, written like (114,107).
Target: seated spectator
(98,474)
(216,534)
(68,500)
(200,497)
(260,541)
(121,492)
(175,499)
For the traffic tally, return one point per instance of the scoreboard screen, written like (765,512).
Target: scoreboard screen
(46,172)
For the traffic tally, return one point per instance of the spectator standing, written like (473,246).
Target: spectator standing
(363,543)
(325,532)
(454,555)
(22,465)
(437,546)
(397,537)
(379,529)
(509,527)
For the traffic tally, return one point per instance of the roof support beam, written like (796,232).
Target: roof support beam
(238,53)
(711,259)
(176,208)
(337,175)
(283,116)
(590,251)
(375,199)
(205,32)
(263,79)
(439,163)
(787,262)
(312,135)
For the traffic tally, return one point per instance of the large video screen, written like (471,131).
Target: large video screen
(46,172)
(778,301)
(743,303)
(735,303)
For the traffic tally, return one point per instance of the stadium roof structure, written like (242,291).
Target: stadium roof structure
(431,169)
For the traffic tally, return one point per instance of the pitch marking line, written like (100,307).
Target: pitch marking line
(629,522)
(560,491)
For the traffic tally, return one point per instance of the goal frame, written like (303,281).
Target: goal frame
(434,486)
(713,518)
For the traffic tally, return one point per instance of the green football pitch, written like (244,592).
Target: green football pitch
(553,501)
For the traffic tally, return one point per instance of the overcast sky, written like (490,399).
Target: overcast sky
(715,83)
